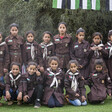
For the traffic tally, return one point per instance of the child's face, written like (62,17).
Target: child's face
(97,39)
(54,65)
(30,37)
(98,68)
(73,67)
(62,29)
(31,69)
(46,38)
(14,31)
(80,36)
(110,38)
(15,70)
(1,38)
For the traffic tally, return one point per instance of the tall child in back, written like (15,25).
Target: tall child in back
(53,84)
(99,83)
(80,52)
(15,45)
(4,64)
(108,47)
(14,84)
(32,51)
(47,48)
(74,85)
(97,51)
(63,43)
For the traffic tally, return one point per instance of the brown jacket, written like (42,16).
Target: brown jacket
(100,85)
(62,49)
(47,53)
(37,53)
(4,57)
(80,52)
(15,46)
(48,91)
(80,88)
(11,85)
(94,56)
(30,82)
(109,58)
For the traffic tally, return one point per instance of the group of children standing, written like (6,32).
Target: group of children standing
(38,73)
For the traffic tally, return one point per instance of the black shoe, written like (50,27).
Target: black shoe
(37,105)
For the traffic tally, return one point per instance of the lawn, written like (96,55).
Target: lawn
(106,107)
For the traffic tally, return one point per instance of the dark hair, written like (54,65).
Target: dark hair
(110,33)
(62,23)
(97,34)
(80,30)
(73,61)
(32,63)
(99,62)
(15,63)
(28,32)
(48,32)
(14,25)
(53,58)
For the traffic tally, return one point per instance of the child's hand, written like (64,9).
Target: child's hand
(80,66)
(100,48)
(19,96)
(38,73)
(77,94)
(8,96)
(5,70)
(83,98)
(93,48)
(42,69)
(25,98)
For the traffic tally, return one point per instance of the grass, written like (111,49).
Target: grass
(106,107)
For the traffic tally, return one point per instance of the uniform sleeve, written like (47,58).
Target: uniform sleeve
(86,60)
(20,86)
(104,52)
(72,52)
(108,84)
(6,58)
(39,56)
(24,85)
(22,50)
(8,84)
(25,57)
(82,86)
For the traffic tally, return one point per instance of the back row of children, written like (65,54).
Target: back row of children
(46,63)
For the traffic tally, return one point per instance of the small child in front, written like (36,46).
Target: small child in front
(74,85)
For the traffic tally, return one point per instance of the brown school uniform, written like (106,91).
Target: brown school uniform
(15,46)
(47,51)
(62,49)
(30,82)
(32,55)
(80,89)
(108,47)
(49,90)
(4,58)
(10,83)
(94,55)
(100,84)
(80,52)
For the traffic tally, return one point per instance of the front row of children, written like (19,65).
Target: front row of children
(48,87)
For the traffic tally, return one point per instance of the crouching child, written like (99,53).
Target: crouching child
(14,85)
(74,85)
(32,85)
(99,83)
